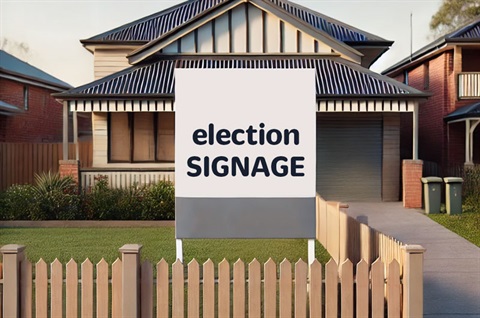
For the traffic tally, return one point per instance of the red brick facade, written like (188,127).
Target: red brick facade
(439,142)
(41,122)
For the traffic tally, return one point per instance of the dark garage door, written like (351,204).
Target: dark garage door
(349,156)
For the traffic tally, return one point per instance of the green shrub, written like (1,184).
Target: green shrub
(471,188)
(159,202)
(56,198)
(101,201)
(17,202)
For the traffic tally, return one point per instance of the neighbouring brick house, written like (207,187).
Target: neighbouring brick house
(132,100)
(449,69)
(28,112)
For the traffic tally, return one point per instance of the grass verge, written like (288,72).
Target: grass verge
(467,224)
(158,243)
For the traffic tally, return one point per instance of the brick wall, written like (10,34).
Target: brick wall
(435,144)
(69,168)
(412,184)
(42,122)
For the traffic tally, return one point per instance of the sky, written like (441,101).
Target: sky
(46,33)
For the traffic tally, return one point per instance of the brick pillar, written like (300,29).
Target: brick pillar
(412,185)
(69,168)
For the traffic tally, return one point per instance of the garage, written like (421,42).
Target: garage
(349,156)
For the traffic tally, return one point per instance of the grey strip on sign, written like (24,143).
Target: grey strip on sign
(245,217)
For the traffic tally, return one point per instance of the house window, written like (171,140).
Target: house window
(405,77)
(141,137)
(25,97)
(426,76)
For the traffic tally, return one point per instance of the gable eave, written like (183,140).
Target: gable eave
(154,46)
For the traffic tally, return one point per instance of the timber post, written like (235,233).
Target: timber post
(13,255)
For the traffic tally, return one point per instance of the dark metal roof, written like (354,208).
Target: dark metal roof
(334,77)
(11,65)
(9,109)
(467,33)
(469,111)
(153,26)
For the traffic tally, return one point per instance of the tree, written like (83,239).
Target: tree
(452,14)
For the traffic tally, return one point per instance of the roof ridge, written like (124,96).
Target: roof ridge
(341,31)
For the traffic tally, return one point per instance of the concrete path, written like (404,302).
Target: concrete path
(451,266)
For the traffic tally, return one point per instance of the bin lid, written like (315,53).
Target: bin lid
(432,180)
(453,180)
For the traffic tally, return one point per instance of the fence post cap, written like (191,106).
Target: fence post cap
(130,248)
(12,249)
(414,249)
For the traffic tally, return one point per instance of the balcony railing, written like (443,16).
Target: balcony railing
(469,85)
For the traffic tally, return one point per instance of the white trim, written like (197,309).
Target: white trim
(369,106)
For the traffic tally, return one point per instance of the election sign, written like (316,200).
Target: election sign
(245,153)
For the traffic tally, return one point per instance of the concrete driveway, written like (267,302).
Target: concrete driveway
(451,266)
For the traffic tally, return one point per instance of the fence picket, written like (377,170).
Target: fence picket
(193,289)
(208,289)
(87,289)
(316,289)
(270,288)
(331,289)
(254,292)
(369,296)
(56,286)
(147,290)
(224,289)
(102,288)
(41,289)
(378,296)
(71,288)
(162,289)
(239,289)
(393,285)
(178,286)
(285,289)
(117,288)
(362,289)
(346,278)
(1,270)
(301,289)
(25,289)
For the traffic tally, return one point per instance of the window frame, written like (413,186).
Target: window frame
(131,127)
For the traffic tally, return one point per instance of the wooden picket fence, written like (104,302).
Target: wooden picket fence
(128,288)
(347,238)
(19,162)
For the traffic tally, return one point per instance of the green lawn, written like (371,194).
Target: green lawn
(158,243)
(467,224)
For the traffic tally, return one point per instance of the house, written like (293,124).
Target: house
(28,112)
(132,100)
(448,68)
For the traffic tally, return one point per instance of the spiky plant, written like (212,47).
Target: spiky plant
(48,182)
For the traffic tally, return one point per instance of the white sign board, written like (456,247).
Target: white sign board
(243,134)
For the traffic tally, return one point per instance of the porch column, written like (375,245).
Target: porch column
(75,135)
(415,132)
(471,125)
(65,130)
